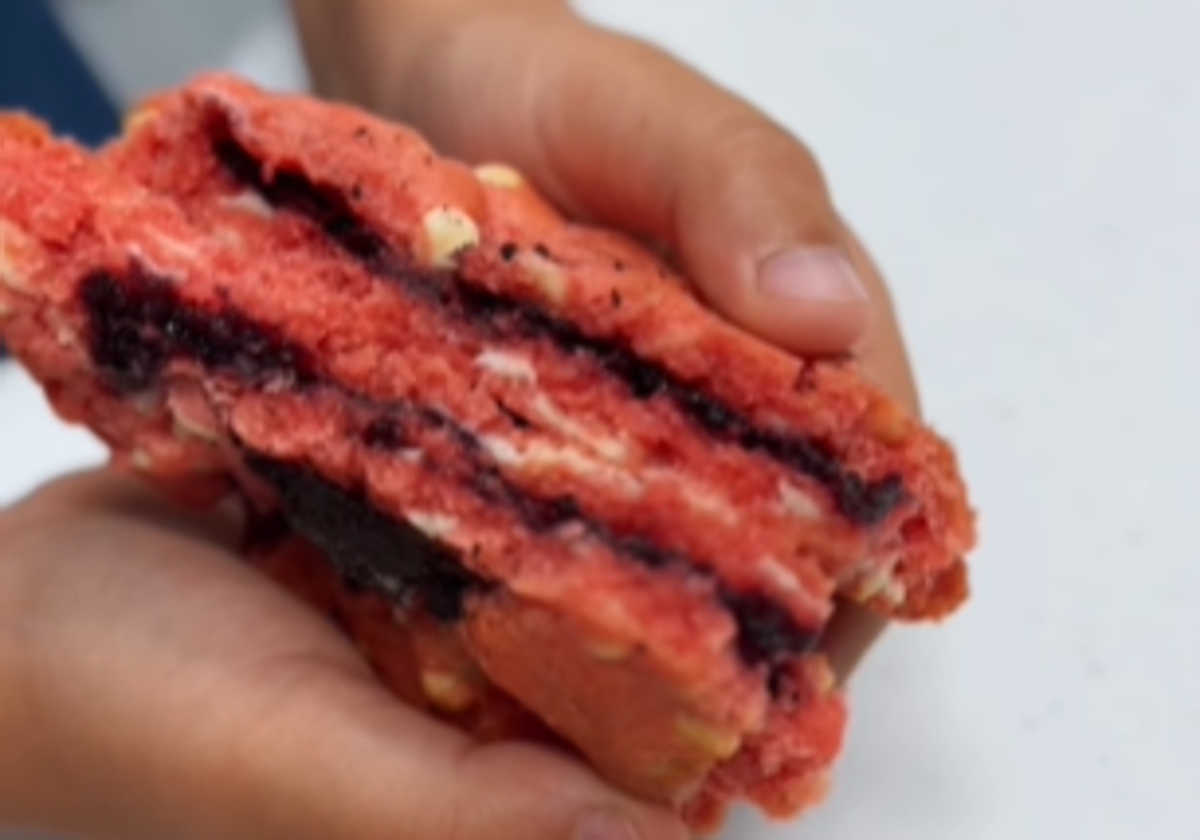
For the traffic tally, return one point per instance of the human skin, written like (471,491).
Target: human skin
(153,686)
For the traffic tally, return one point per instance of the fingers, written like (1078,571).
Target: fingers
(848,637)
(382,770)
(650,146)
(165,691)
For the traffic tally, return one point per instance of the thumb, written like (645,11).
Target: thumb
(757,233)
(648,145)
(741,202)
(389,771)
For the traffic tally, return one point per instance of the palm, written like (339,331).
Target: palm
(187,658)
(182,682)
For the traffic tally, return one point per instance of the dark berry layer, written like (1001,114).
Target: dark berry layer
(861,501)
(138,324)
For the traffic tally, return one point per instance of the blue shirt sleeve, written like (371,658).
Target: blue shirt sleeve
(42,72)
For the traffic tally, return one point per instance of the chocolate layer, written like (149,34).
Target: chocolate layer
(765,630)
(861,501)
(138,324)
(368,547)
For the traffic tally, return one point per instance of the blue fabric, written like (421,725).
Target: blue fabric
(42,72)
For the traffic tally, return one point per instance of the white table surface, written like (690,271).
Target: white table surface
(1028,173)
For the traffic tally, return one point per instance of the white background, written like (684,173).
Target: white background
(1028,175)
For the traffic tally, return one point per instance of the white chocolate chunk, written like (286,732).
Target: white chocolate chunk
(870,586)
(540,455)
(796,502)
(448,231)
(606,447)
(546,276)
(503,451)
(880,583)
(433,525)
(895,593)
(248,201)
(875,577)
(13,242)
(172,245)
(714,742)
(163,254)
(702,499)
(410,456)
(136,118)
(508,365)
(778,574)
(447,691)
(499,175)
(825,682)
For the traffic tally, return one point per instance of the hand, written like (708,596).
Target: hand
(152,688)
(617,132)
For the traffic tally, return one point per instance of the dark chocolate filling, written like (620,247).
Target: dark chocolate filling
(364,543)
(139,324)
(764,629)
(538,515)
(859,500)
(264,531)
(368,546)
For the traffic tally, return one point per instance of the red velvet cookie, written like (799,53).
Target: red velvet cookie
(418,658)
(525,437)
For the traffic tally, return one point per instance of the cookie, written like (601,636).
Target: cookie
(622,515)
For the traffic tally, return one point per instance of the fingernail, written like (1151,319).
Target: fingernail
(811,274)
(605,825)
